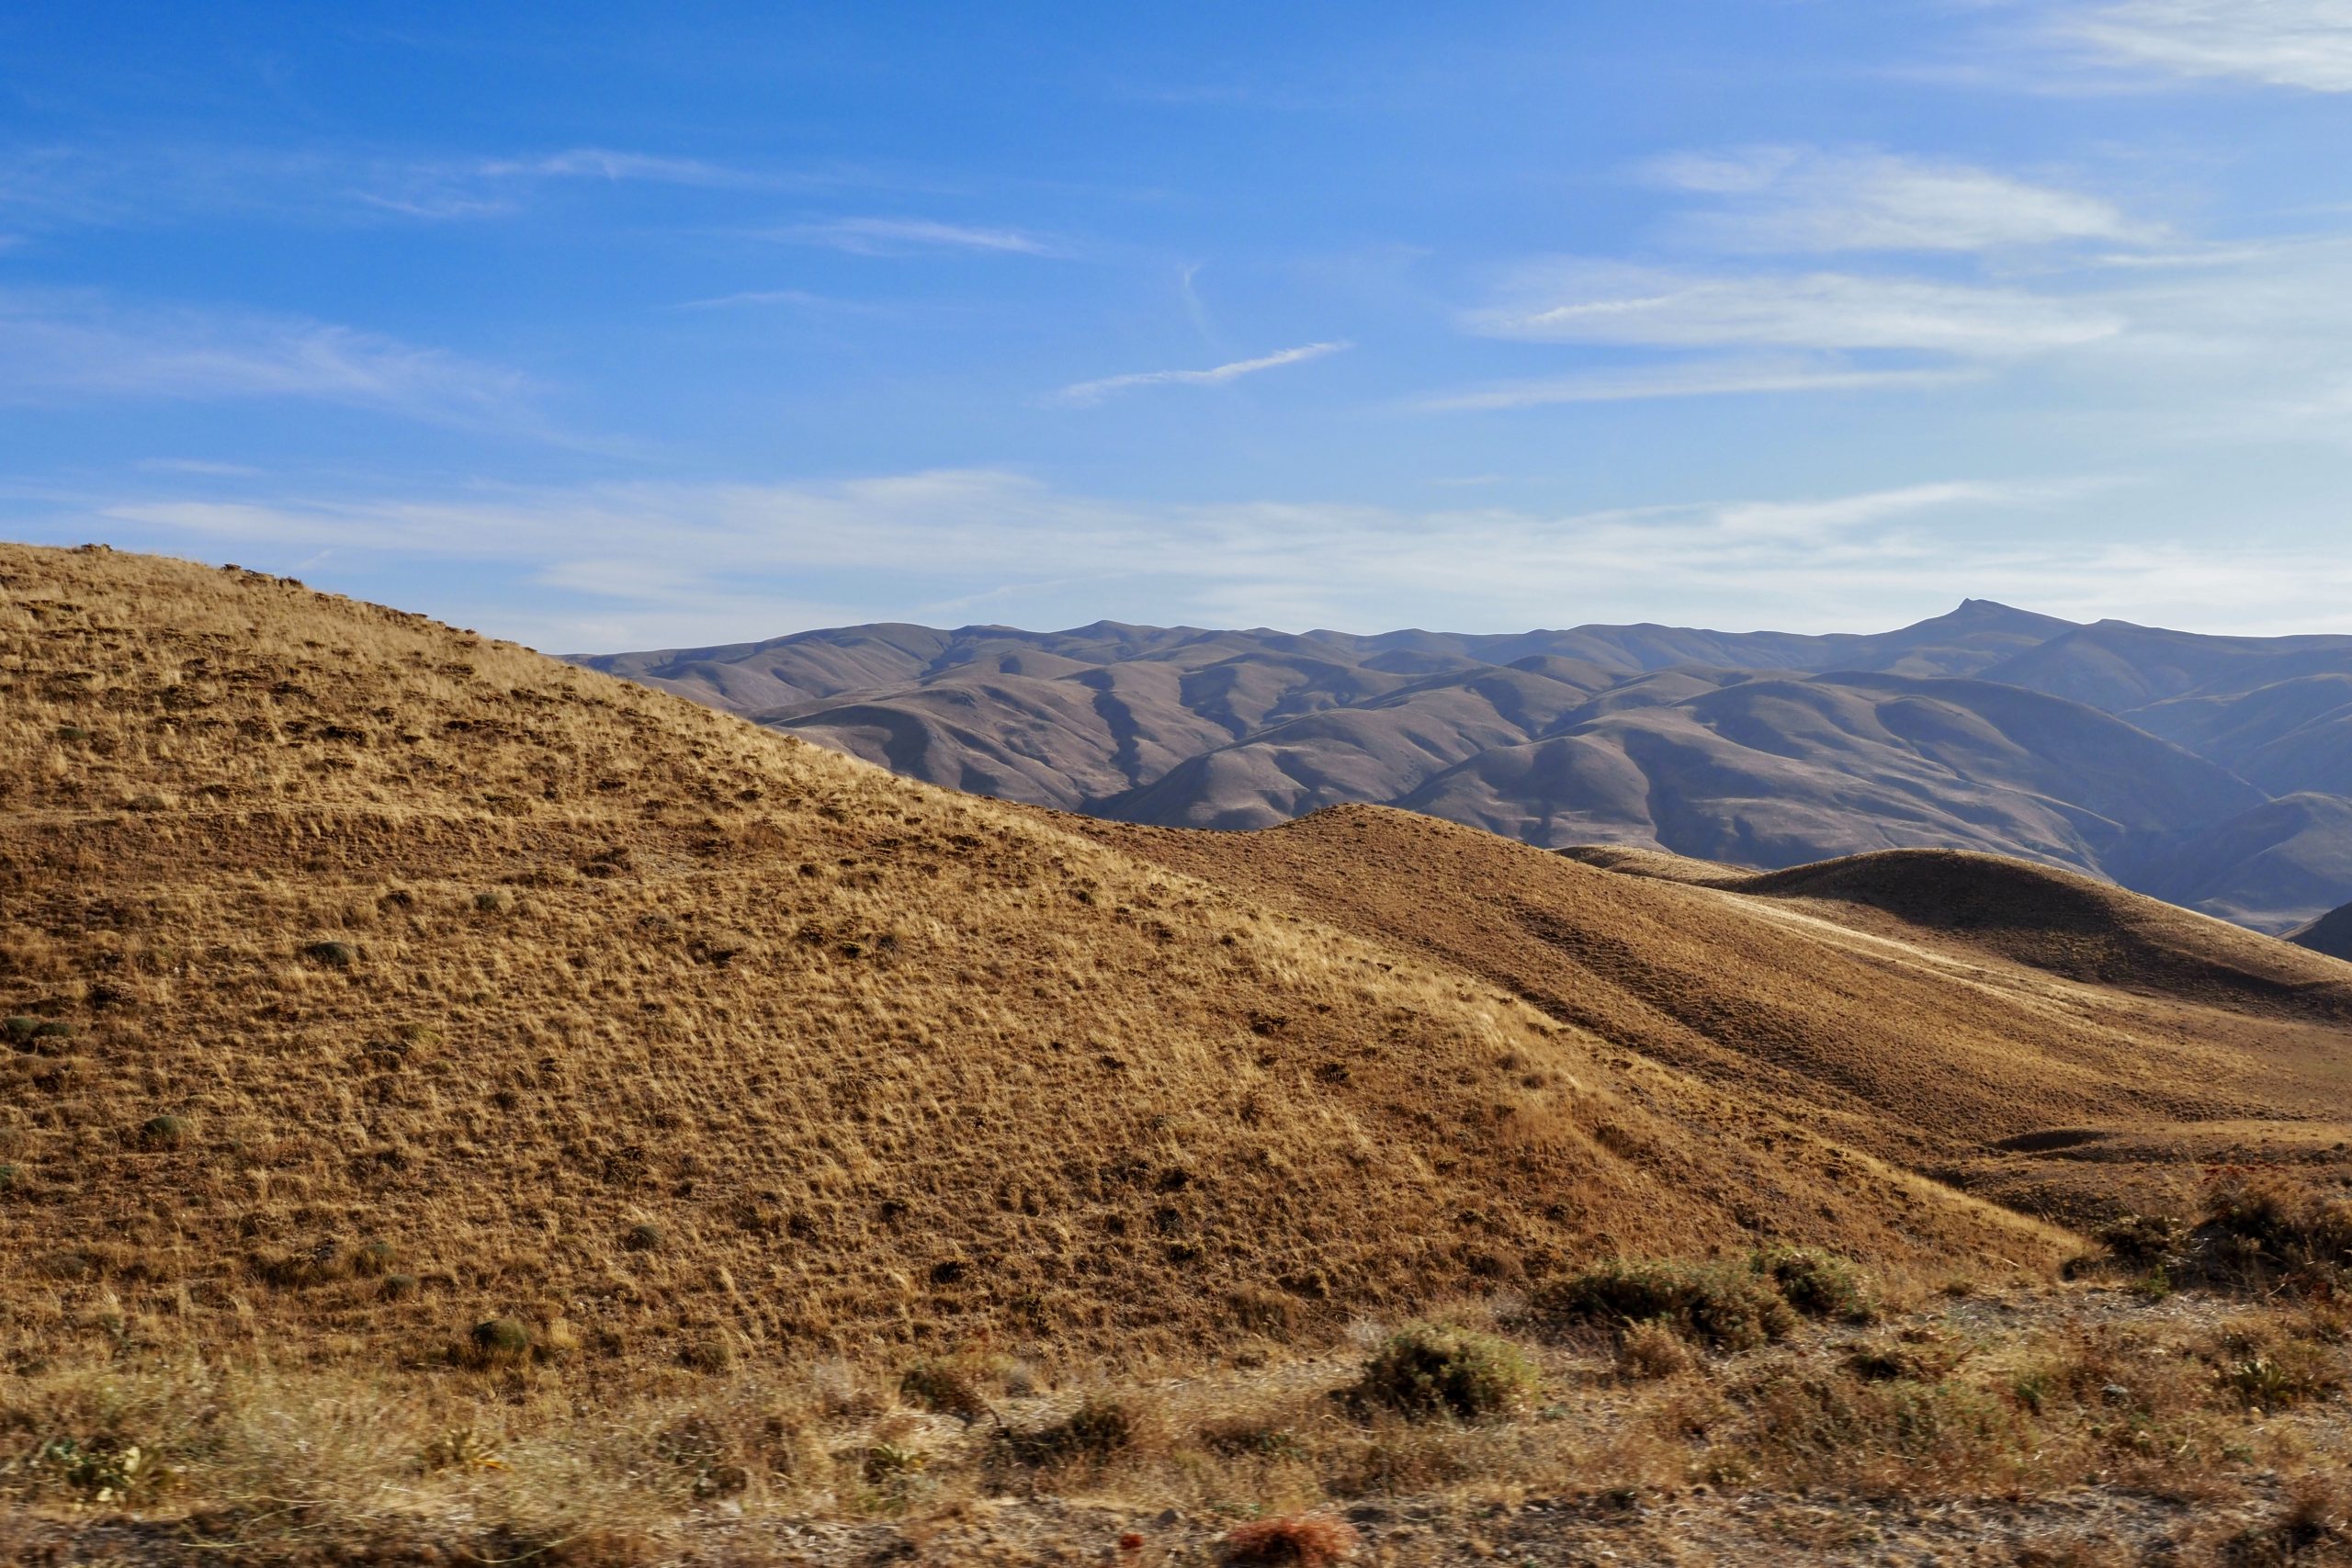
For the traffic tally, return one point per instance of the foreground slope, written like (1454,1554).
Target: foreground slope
(1959,1014)
(367,979)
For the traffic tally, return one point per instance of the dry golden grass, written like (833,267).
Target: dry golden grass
(1984,1411)
(2066,1047)
(438,1084)
(416,981)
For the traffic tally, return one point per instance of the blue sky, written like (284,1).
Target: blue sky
(607,326)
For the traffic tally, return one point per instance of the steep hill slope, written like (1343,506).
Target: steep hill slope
(2065,1015)
(369,980)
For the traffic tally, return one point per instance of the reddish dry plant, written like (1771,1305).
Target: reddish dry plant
(1302,1540)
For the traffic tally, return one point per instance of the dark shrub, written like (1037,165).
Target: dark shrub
(1815,1283)
(1427,1372)
(164,1132)
(500,1339)
(1095,1431)
(2265,1228)
(333,954)
(709,1353)
(1723,1305)
(943,1387)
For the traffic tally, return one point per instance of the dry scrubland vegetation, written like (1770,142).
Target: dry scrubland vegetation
(457,1107)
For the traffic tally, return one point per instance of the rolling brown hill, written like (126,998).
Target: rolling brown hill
(458,1107)
(367,979)
(2215,772)
(2024,1033)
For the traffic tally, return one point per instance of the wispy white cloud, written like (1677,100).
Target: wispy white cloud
(203,467)
(897,236)
(1705,379)
(1592,302)
(751,297)
(1787,199)
(99,183)
(1085,392)
(604,163)
(2284,44)
(61,345)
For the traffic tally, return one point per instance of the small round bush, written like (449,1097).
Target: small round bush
(1652,1350)
(501,1338)
(711,1353)
(1815,1283)
(1095,1431)
(647,1238)
(945,1387)
(1722,1305)
(333,954)
(164,1132)
(1427,1372)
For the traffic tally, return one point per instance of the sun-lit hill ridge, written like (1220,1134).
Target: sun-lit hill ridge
(2049,918)
(367,979)
(1929,1007)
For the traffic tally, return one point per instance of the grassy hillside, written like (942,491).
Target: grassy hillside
(460,1108)
(1959,1014)
(373,980)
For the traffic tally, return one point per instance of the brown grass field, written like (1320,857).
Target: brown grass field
(461,1108)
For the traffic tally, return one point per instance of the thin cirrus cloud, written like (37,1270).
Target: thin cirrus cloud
(63,346)
(1083,393)
(614,167)
(66,185)
(2306,44)
(899,236)
(754,298)
(1791,199)
(1707,378)
(1590,302)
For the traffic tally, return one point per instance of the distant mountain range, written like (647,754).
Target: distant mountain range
(2212,771)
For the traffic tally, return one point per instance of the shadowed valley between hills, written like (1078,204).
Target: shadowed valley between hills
(2214,773)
